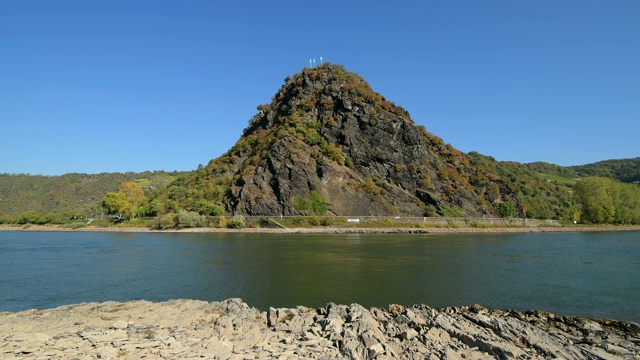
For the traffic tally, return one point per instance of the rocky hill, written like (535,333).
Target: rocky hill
(328,143)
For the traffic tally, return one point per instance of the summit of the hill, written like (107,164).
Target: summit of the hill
(327,143)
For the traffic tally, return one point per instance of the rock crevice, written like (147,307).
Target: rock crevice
(231,329)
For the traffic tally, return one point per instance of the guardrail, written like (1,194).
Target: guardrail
(434,221)
(466,221)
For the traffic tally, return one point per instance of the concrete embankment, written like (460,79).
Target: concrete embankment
(189,329)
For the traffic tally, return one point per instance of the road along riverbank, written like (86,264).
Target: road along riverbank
(338,230)
(231,329)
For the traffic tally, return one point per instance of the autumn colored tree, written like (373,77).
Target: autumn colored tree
(126,202)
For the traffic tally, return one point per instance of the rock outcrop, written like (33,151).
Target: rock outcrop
(188,329)
(328,134)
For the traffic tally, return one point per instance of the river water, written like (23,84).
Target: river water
(586,274)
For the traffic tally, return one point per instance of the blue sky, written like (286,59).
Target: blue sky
(116,86)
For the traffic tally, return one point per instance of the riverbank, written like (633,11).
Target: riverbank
(231,329)
(336,230)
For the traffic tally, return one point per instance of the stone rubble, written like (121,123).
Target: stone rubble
(231,330)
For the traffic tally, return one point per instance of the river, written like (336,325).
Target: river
(584,274)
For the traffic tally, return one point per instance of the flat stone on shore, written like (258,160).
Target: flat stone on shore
(231,329)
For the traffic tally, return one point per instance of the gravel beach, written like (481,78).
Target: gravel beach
(340,230)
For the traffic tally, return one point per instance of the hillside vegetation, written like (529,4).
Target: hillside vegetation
(329,145)
(624,170)
(327,141)
(69,195)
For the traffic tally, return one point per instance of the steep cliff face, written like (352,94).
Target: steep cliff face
(327,133)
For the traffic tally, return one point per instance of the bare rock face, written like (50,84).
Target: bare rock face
(327,132)
(230,329)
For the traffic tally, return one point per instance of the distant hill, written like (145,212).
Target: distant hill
(328,139)
(70,193)
(625,170)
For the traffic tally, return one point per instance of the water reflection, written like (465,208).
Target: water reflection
(584,274)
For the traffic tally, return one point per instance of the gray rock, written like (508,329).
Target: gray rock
(235,331)
(375,350)
(408,334)
(617,350)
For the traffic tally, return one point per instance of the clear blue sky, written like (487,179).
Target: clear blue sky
(116,86)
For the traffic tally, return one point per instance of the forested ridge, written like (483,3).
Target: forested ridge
(67,195)
(51,198)
(624,170)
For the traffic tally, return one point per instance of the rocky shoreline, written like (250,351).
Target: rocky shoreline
(231,329)
(338,230)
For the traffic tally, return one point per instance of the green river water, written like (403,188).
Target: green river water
(586,274)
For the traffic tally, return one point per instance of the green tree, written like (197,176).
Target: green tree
(237,222)
(506,209)
(595,196)
(155,207)
(190,219)
(627,204)
(605,200)
(168,221)
(28,217)
(110,203)
(5,219)
(177,192)
(206,207)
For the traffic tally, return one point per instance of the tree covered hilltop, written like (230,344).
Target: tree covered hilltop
(329,145)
